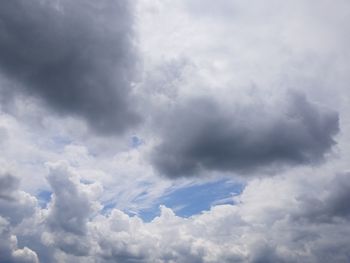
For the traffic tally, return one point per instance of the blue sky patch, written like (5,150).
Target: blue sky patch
(194,199)
(136,141)
(44,197)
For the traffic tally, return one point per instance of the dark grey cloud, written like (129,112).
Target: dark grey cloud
(78,56)
(201,135)
(338,196)
(332,205)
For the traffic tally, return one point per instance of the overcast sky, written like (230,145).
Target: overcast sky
(174,131)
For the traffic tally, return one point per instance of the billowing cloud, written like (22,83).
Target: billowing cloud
(15,205)
(9,251)
(78,56)
(67,230)
(201,135)
(274,220)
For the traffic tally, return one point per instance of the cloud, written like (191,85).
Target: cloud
(9,251)
(78,56)
(331,205)
(69,211)
(15,205)
(201,135)
(8,184)
(275,219)
(212,81)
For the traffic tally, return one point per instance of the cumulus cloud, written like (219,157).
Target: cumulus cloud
(200,135)
(15,205)
(67,230)
(9,251)
(78,56)
(272,221)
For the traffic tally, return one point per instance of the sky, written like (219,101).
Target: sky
(174,131)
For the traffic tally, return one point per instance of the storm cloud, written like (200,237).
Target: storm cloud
(78,56)
(201,135)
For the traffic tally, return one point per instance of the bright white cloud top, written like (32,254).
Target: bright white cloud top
(174,131)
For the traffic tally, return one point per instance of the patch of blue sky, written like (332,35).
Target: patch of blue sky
(44,197)
(108,207)
(194,199)
(185,201)
(86,181)
(135,141)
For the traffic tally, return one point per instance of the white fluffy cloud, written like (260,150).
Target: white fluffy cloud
(279,219)
(15,206)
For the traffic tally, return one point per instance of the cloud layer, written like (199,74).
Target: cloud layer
(238,108)
(273,220)
(78,56)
